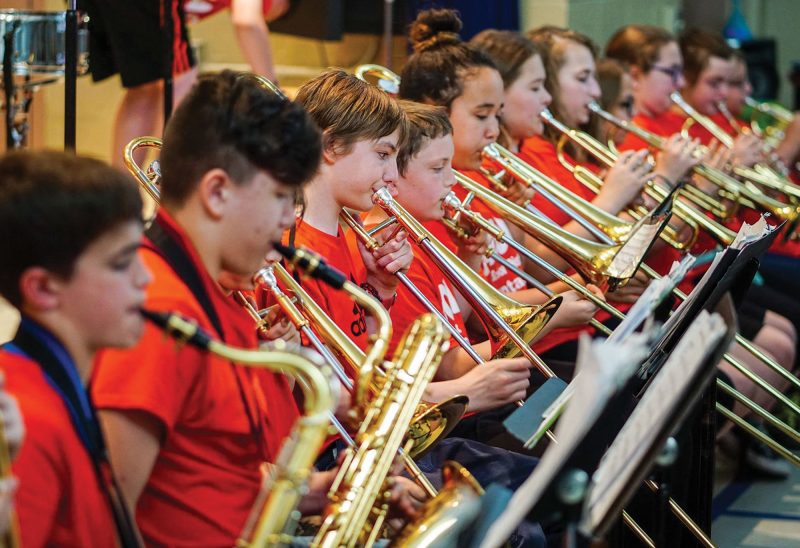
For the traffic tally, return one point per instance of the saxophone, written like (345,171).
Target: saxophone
(275,512)
(359,494)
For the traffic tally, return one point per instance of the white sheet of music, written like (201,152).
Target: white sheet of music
(652,296)
(599,368)
(640,431)
(749,233)
(629,256)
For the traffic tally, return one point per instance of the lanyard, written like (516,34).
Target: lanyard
(36,343)
(165,243)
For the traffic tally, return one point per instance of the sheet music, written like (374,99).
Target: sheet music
(627,259)
(600,367)
(653,295)
(642,428)
(750,233)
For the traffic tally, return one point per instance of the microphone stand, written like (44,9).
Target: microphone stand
(70,75)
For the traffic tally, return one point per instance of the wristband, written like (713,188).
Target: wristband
(387,303)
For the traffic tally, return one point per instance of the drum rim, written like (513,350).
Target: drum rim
(12,11)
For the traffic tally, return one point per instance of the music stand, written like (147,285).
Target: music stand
(71,76)
(558,488)
(665,404)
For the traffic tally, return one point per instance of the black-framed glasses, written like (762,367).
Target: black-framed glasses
(675,72)
(626,105)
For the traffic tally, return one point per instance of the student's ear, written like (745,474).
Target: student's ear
(40,289)
(215,191)
(329,144)
(635,73)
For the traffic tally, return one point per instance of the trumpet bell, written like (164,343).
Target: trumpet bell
(443,518)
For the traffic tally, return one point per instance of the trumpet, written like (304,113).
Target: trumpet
(695,219)
(761,174)
(274,516)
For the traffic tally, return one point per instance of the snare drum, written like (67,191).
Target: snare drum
(39,43)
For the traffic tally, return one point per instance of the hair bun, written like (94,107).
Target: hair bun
(435,27)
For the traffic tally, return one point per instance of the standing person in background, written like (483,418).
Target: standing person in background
(128,38)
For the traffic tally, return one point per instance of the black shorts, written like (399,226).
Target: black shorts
(125,36)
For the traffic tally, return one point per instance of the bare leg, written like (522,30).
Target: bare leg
(141,112)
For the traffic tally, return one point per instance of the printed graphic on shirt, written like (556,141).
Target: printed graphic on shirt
(358,326)
(449,304)
(497,274)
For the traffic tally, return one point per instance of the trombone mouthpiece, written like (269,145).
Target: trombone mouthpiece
(546,115)
(382,196)
(312,264)
(594,107)
(265,276)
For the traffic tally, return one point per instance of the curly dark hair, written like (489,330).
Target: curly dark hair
(230,121)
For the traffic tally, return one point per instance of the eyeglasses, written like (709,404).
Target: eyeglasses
(675,72)
(626,105)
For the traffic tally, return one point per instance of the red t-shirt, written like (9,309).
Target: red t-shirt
(206,476)
(59,500)
(430,280)
(491,270)
(541,154)
(339,252)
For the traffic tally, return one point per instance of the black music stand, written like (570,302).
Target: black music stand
(685,385)
(70,76)
(560,494)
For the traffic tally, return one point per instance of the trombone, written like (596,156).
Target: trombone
(686,213)
(761,174)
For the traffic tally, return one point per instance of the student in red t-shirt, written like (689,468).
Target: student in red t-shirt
(188,432)
(70,266)
(469,86)
(739,89)
(654,61)
(360,159)
(425,177)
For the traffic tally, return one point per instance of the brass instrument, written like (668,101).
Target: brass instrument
(761,174)
(774,133)
(380,77)
(520,217)
(722,234)
(455,211)
(598,222)
(780,113)
(599,263)
(511,326)
(360,495)
(274,513)
(11,538)
(695,219)
(431,422)
(371,243)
